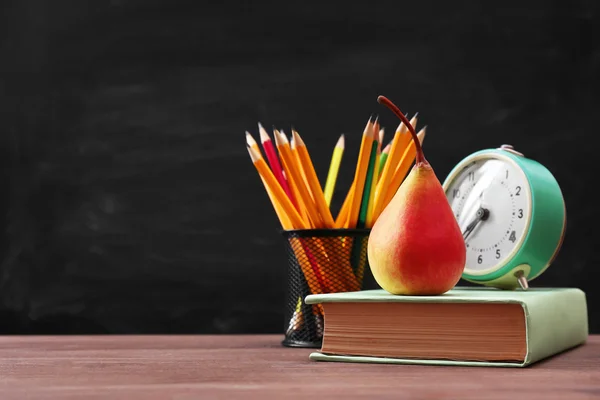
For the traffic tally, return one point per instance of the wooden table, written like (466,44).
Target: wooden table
(258,367)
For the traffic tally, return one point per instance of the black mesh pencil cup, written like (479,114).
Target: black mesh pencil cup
(319,261)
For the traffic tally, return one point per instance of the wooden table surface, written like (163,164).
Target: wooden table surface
(258,367)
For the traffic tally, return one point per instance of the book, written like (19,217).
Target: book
(467,326)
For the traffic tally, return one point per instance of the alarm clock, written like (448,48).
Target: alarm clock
(512,214)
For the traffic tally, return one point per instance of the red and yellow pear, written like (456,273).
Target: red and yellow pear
(415,246)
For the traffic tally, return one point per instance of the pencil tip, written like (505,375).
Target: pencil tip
(341,141)
(249,139)
(252,153)
(264,136)
(280,138)
(297,138)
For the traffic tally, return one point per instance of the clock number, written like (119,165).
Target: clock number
(471,176)
(506,174)
(512,236)
(520,213)
(479,259)
(518,189)
(497,253)
(456,193)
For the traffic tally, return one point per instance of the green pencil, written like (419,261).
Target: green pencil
(384,156)
(364,205)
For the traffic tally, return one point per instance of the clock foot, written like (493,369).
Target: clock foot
(522,280)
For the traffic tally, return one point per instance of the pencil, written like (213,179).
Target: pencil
(383,158)
(273,160)
(342,217)
(275,188)
(314,275)
(283,218)
(381,135)
(313,180)
(299,165)
(373,183)
(364,207)
(403,167)
(360,174)
(334,167)
(289,159)
(399,143)
(301,207)
(252,143)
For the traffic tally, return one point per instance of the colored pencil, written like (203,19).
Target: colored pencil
(383,159)
(399,143)
(342,218)
(334,168)
(281,214)
(313,181)
(290,160)
(401,171)
(360,174)
(364,206)
(373,184)
(273,160)
(275,188)
(299,165)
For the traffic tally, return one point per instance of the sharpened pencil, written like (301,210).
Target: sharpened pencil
(360,174)
(274,160)
(313,181)
(368,191)
(334,168)
(275,188)
(383,159)
(399,143)
(290,160)
(281,214)
(405,163)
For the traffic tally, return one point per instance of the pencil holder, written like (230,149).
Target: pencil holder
(320,261)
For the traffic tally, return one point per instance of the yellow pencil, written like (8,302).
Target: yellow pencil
(383,158)
(399,143)
(342,218)
(334,168)
(403,167)
(252,143)
(283,218)
(286,154)
(299,165)
(313,181)
(276,190)
(371,206)
(360,174)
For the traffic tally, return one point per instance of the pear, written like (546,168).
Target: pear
(415,246)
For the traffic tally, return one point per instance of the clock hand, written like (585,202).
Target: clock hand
(481,215)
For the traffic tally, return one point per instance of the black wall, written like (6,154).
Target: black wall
(128,201)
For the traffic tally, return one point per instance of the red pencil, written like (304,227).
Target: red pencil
(267,145)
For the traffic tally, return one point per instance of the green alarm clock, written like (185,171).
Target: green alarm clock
(512,214)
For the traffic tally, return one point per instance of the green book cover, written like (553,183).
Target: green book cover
(555,320)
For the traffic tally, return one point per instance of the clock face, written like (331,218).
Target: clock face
(490,198)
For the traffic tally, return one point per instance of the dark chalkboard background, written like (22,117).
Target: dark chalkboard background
(129,204)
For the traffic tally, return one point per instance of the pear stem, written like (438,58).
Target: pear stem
(420,157)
